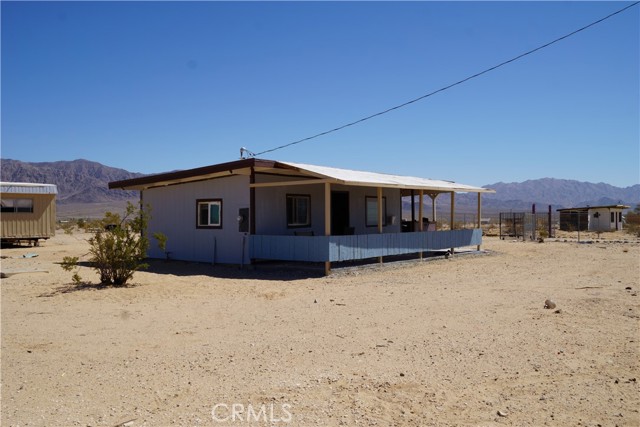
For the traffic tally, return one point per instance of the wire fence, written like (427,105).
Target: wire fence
(524,225)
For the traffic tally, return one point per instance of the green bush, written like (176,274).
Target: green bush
(162,243)
(67,227)
(70,263)
(119,247)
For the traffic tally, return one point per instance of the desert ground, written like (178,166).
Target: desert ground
(463,341)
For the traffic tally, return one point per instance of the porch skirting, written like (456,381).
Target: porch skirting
(354,247)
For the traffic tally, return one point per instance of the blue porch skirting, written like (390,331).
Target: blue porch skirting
(346,248)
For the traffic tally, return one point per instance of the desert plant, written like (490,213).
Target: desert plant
(70,263)
(119,247)
(67,227)
(162,243)
(91,226)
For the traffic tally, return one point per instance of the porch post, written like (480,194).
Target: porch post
(453,210)
(479,221)
(252,206)
(327,221)
(433,208)
(252,203)
(413,210)
(380,216)
(421,213)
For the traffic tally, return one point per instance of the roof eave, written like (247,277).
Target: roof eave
(189,175)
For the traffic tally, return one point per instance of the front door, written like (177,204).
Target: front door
(339,213)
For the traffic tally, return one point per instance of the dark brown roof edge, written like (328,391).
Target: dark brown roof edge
(190,173)
(586,208)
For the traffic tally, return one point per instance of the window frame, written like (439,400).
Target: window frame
(15,205)
(290,223)
(209,202)
(374,223)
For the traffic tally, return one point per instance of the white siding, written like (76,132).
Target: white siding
(271,214)
(271,207)
(173,212)
(603,221)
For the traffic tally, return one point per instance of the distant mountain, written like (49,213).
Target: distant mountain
(78,181)
(559,193)
(565,192)
(83,181)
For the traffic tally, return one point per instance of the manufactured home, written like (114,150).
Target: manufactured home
(28,211)
(254,209)
(592,218)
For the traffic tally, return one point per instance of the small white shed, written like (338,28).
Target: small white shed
(606,218)
(592,218)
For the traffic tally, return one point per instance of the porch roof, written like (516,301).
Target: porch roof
(374,179)
(308,173)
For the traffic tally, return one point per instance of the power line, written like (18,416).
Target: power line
(449,86)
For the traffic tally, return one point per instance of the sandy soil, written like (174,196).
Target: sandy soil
(444,342)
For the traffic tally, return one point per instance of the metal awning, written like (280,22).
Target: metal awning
(301,174)
(374,179)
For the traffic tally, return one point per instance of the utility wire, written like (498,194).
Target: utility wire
(449,86)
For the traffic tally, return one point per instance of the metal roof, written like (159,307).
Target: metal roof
(336,175)
(27,188)
(586,208)
(374,179)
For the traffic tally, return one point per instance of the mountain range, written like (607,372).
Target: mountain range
(78,181)
(559,193)
(86,182)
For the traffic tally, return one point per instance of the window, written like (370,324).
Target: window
(16,205)
(371,211)
(298,210)
(619,216)
(209,213)
(613,217)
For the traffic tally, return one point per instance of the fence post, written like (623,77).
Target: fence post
(327,221)
(479,219)
(453,208)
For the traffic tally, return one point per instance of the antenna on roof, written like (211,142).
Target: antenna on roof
(245,154)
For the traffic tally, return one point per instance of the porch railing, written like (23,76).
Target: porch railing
(346,248)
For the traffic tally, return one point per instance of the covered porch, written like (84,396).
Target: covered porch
(369,227)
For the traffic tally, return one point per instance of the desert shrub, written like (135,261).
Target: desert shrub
(67,227)
(70,263)
(162,243)
(91,226)
(119,247)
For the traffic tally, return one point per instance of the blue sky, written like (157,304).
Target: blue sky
(157,86)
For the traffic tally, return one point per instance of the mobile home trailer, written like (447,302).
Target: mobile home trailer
(28,211)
